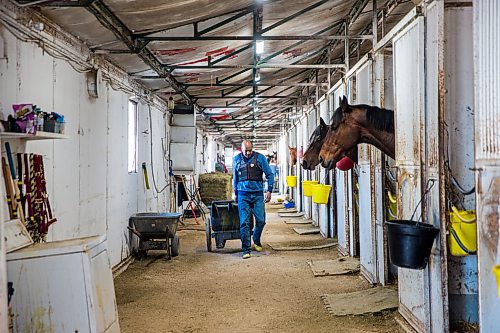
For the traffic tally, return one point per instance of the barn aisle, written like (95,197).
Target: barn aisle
(274,291)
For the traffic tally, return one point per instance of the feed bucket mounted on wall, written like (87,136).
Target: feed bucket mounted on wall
(307,188)
(410,243)
(496,271)
(320,193)
(462,239)
(291,181)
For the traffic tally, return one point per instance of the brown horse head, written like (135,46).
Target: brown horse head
(354,124)
(293,155)
(311,156)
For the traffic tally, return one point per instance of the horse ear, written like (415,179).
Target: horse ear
(340,101)
(322,122)
(344,104)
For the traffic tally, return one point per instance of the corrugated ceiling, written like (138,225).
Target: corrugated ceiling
(204,50)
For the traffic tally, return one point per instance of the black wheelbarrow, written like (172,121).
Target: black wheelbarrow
(156,231)
(223,223)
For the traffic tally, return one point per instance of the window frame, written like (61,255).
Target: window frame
(132,148)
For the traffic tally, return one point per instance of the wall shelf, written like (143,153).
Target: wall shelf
(40,135)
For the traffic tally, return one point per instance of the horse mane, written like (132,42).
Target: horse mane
(336,118)
(381,119)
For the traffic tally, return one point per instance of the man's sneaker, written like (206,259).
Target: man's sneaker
(247,255)
(258,248)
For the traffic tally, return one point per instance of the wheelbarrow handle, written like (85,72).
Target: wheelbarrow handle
(137,233)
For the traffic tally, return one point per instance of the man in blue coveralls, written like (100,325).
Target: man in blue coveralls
(248,184)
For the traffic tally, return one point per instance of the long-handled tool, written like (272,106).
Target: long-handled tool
(145,172)
(14,179)
(11,200)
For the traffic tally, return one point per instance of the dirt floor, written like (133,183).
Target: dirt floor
(274,291)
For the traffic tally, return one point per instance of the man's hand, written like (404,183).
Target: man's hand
(267,197)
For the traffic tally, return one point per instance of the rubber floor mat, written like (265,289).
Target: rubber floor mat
(298,246)
(287,210)
(300,214)
(339,266)
(361,302)
(307,231)
(298,221)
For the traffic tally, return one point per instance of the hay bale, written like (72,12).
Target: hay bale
(215,186)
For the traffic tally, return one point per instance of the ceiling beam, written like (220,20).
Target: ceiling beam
(247,38)
(109,20)
(295,66)
(291,17)
(251,84)
(198,97)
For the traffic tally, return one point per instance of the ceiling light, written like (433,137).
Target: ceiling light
(259,47)
(170,103)
(257,76)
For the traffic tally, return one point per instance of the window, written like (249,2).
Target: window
(132,136)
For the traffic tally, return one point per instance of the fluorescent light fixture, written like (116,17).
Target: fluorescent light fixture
(259,46)
(257,76)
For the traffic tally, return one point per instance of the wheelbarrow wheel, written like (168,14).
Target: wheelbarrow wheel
(141,254)
(208,233)
(174,248)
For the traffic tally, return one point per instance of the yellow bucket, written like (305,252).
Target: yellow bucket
(320,193)
(462,239)
(307,188)
(496,271)
(291,181)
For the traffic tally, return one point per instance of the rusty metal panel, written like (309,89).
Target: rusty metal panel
(307,201)
(488,217)
(438,318)
(367,237)
(342,231)
(350,211)
(459,149)
(382,91)
(408,70)
(487,144)
(296,141)
(408,46)
(336,91)
(313,174)
(323,218)
(487,48)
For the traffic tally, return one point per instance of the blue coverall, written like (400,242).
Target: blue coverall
(251,199)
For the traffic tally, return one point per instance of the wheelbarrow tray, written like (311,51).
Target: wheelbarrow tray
(223,223)
(155,225)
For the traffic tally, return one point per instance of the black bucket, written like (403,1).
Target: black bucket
(410,243)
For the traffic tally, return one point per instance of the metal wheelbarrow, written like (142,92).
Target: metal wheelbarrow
(223,223)
(156,231)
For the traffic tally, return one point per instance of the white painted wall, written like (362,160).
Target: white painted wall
(90,190)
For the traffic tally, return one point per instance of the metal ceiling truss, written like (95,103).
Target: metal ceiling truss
(109,20)
(137,43)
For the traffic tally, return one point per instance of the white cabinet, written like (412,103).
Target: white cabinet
(64,286)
